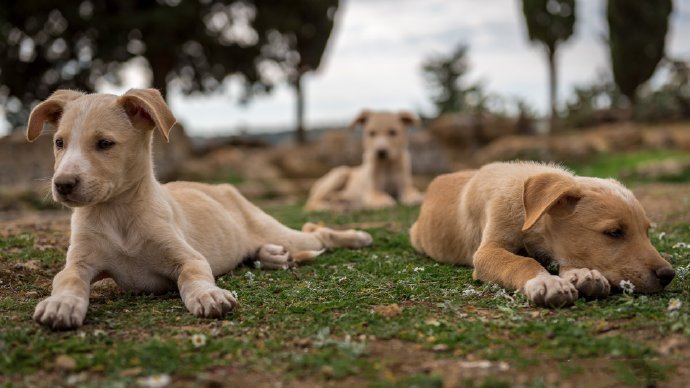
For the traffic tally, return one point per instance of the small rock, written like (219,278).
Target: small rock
(440,348)
(65,362)
(388,310)
(327,371)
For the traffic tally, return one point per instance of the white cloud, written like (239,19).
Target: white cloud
(375,55)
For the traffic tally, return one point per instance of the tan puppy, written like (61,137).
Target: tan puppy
(507,220)
(149,237)
(385,174)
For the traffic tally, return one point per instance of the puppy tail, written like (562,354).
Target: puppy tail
(307,256)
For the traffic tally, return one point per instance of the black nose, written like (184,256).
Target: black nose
(382,154)
(665,275)
(66,185)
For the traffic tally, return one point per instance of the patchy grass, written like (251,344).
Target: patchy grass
(381,316)
(623,165)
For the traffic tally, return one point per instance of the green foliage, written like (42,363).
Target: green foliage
(637,34)
(73,44)
(550,22)
(444,75)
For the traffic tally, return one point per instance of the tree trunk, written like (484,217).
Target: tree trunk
(553,80)
(300,134)
(160,68)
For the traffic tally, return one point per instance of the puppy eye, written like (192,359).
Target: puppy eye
(392,133)
(104,144)
(615,233)
(59,143)
(372,133)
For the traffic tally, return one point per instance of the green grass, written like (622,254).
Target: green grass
(316,325)
(622,166)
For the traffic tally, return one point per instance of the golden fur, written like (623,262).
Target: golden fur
(508,219)
(384,175)
(149,237)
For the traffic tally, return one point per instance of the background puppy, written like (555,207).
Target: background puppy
(509,219)
(385,174)
(149,237)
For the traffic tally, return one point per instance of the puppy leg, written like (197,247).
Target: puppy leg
(411,196)
(493,263)
(273,256)
(66,307)
(324,192)
(590,283)
(378,200)
(330,238)
(198,288)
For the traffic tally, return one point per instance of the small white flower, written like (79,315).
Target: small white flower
(98,333)
(674,304)
(680,245)
(418,269)
(470,291)
(234,294)
(250,275)
(682,272)
(257,264)
(662,235)
(198,340)
(155,381)
(627,286)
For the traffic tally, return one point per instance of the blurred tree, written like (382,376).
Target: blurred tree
(304,27)
(637,33)
(550,22)
(444,75)
(194,43)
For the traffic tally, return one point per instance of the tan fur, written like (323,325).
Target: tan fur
(149,237)
(508,219)
(384,175)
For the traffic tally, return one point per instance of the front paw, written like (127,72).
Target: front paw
(589,283)
(61,312)
(210,302)
(412,199)
(550,291)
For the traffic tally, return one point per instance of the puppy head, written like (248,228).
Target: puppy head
(597,224)
(102,143)
(384,133)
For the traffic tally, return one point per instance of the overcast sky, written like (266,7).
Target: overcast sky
(375,54)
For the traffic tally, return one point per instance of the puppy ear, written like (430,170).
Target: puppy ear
(361,118)
(549,192)
(49,111)
(147,109)
(409,118)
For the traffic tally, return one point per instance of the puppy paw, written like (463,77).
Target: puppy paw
(361,239)
(550,291)
(412,199)
(210,302)
(590,284)
(273,256)
(61,312)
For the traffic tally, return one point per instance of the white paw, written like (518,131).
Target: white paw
(550,291)
(412,199)
(210,301)
(61,312)
(273,256)
(590,284)
(364,239)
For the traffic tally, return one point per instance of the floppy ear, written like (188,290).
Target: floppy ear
(49,111)
(361,118)
(147,109)
(409,118)
(548,192)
